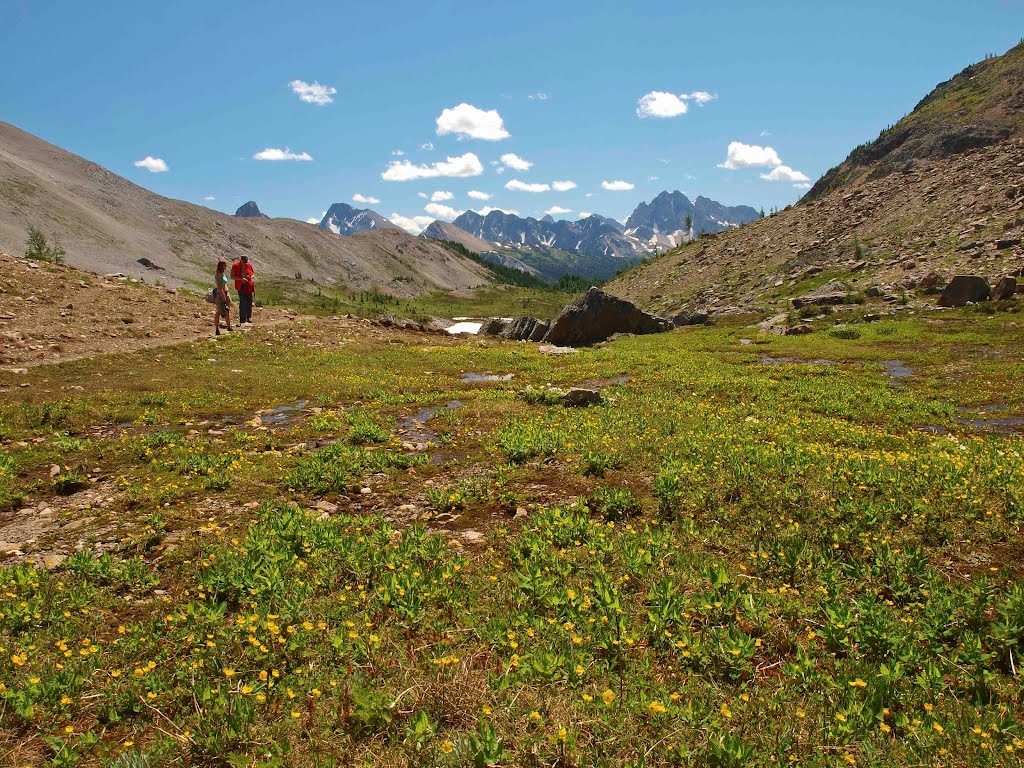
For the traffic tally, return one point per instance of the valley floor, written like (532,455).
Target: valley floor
(320,543)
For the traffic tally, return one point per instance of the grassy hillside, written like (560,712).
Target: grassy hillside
(109,225)
(938,193)
(982,105)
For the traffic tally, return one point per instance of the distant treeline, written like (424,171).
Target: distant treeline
(521,279)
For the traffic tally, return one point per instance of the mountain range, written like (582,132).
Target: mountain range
(595,246)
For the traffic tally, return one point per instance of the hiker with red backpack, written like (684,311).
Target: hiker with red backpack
(241,272)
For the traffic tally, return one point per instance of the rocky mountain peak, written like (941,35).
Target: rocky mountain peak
(250,211)
(343,219)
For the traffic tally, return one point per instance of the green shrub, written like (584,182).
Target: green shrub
(615,503)
(69,482)
(844,332)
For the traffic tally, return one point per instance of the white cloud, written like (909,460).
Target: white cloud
(803,185)
(468,122)
(617,186)
(427,145)
(440,196)
(563,186)
(584,215)
(313,220)
(700,97)
(664,160)
(785,173)
(313,93)
(515,162)
(442,211)
(413,225)
(398,152)
(424,195)
(209,198)
(660,104)
(364,199)
(454,167)
(539,96)
(487,209)
(477,195)
(555,210)
(281,154)
(742,155)
(653,178)
(664,104)
(522,186)
(152,164)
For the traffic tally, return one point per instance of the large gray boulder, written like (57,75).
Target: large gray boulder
(963,290)
(598,315)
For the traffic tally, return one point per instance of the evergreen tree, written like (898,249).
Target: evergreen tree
(40,249)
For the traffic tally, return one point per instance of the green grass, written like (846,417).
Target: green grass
(726,563)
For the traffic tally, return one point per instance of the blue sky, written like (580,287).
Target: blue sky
(205,87)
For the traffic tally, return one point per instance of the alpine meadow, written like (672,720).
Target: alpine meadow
(455,409)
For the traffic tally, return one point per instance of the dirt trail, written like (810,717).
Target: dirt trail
(52,313)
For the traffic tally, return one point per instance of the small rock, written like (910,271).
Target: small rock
(1004,289)
(799,330)
(579,397)
(365,491)
(326,506)
(473,537)
(54,470)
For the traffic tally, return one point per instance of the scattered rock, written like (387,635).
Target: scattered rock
(551,349)
(776,324)
(799,330)
(833,292)
(598,315)
(326,506)
(963,290)
(929,282)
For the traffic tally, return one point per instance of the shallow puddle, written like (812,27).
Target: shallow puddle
(1009,426)
(283,414)
(896,369)
(413,428)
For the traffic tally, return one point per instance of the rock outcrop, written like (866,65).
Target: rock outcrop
(598,315)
